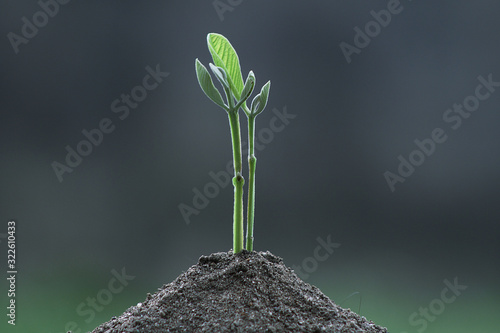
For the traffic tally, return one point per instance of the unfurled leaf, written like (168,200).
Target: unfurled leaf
(225,56)
(207,85)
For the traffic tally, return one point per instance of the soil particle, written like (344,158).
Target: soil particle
(246,292)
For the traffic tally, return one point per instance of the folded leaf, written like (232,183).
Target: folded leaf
(255,103)
(248,88)
(260,101)
(220,74)
(207,85)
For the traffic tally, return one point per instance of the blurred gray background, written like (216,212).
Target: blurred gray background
(321,175)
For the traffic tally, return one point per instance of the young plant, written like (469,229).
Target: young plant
(226,68)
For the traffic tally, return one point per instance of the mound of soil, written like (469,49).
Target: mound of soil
(246,292)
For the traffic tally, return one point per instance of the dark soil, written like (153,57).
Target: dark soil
(246,292)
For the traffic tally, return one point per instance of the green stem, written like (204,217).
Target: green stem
(238,182)
(252,161)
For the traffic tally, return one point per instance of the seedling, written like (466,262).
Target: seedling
(227,70)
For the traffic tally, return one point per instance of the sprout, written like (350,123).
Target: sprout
(226,68)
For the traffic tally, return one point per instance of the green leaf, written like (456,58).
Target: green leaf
(225,56)
(220,74)
(207,85)
(247,89)
(260,101)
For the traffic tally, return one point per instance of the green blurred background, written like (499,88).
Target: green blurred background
(322,175)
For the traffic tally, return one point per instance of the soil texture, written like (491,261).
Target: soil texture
(244,292)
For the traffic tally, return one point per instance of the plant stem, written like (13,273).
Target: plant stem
(252,161)
(238,182)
